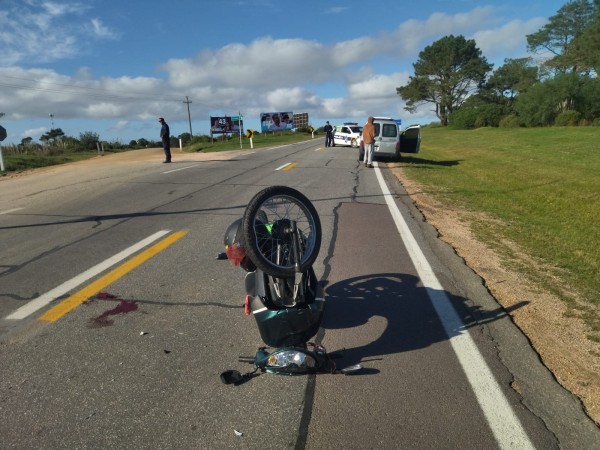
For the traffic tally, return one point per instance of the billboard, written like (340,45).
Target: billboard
(223,125)
(274,121)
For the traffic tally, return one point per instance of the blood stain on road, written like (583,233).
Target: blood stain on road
(103,320)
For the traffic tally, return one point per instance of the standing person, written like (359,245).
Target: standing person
(369,140)
(165,137)
(328,129)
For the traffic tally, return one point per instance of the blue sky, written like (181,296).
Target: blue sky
(114,67)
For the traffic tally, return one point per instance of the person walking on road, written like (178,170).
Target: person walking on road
(369,140)
(165,137)
(328,129)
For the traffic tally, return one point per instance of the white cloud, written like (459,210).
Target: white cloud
(102,31)
(120,125)
(508,38)
(45,31)
(264,74)
(380,87)
(337,9)
(34,133)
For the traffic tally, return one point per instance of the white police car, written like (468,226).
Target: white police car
(347,134)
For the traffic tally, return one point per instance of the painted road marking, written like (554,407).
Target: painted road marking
(284,166)
(43,300)
(507,429)
(11,211)
(78,298)
(181,168)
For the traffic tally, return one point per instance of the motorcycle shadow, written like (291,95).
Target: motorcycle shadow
(399,301)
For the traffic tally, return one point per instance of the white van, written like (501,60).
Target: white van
(390,141)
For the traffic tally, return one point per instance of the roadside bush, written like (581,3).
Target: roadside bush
(463,118)
(567,119)
(88,140)
(476,113)
(510,121)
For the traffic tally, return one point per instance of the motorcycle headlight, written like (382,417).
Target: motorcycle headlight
(291,360)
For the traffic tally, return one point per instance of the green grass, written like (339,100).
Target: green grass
(542,187)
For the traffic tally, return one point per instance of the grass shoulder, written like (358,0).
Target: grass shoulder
(540,188)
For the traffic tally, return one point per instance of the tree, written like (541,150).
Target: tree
(565,94)
(479,110)
(583,49)
(52,136)
(26,141)
(186,138)
(88,140)
(558,35)
(514,77)
(447,72)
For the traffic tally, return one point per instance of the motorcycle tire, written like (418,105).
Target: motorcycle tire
(267,245)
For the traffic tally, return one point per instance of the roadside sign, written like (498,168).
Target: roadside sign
(2,133)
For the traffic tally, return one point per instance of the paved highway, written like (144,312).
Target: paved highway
(116,318)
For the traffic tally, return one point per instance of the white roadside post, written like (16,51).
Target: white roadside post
(240,117)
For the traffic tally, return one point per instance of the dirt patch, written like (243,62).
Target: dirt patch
(559,340)
(134,156)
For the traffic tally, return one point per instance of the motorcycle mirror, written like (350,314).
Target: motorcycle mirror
(351,369)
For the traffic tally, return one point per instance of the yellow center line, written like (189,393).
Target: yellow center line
(291,166)
(78,298)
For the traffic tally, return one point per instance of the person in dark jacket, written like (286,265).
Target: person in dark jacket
(165,137)
(328,129)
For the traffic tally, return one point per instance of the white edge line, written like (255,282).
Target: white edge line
(11,210)
(44,299)
(181,168)
(505,425)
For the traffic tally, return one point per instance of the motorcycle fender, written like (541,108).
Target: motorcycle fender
(250,283)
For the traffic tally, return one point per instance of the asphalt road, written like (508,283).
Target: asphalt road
(116,318)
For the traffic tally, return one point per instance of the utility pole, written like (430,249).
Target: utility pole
(188,101)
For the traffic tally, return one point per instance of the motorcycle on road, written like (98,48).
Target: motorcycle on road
(276,242)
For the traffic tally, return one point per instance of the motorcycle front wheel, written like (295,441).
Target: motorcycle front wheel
(266,226)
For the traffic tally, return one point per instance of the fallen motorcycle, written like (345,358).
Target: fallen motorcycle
(277,241)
